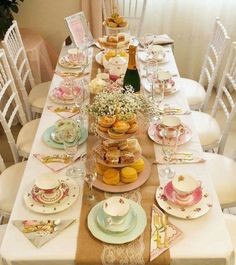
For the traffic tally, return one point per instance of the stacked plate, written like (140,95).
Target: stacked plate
(126,230)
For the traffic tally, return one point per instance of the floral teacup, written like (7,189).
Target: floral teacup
(171,126)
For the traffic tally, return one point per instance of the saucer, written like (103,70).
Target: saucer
(49,141)
(170,194)
(146,84)
(129,222)
(122,237)
(184,212)
(155,134)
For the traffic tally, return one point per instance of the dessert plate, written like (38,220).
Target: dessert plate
(129,222)
(155,134)
(61,205)
(122,237)
(123,187)
(49,141)
(49,196)
(184,212)
(170,194)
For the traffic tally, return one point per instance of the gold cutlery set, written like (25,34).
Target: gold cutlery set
(161,237)
(67,74)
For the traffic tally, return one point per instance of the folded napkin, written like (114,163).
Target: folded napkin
(40,232)
(181,158)
(57,162)
(65,111)
(163,234)
(162,39)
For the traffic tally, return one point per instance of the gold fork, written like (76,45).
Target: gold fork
(157,223)
(164,222)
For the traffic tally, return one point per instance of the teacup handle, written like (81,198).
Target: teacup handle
(181,130)
(109,220)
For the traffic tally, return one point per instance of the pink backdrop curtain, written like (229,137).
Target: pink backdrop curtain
(93,12)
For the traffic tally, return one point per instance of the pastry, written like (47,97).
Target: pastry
(128,175)
(102,129)
(116,21)
(106,121)
(111,176)
(114,135)
(100,152)
(109,144)
(133,128)
(113,157)
(123,145)
(126,157)
(100,168)
(128,117)
(134,146)
(120,126)
(138,165)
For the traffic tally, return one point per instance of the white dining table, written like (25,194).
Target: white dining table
(205,240)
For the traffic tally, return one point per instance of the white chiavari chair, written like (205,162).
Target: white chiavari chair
(196,95)
(10,179)
(16,54)
(209,131)
(132,10)
(12,109)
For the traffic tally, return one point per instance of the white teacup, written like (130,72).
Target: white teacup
(158,52)
(47,181)
(172,126)
(184,186)
(116,209)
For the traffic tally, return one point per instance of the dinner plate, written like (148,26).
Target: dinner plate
(129,222)
(54,95)
(48,139)
(122,237)
(171,195)
(123,187)
(59,206)
(154,132)
(184,212)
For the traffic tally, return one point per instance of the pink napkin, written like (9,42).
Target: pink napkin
(56,162)
(172,235)
(65,111)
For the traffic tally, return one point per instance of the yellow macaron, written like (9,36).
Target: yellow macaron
(101,168)
(138,165)
(111,176)
(128,175)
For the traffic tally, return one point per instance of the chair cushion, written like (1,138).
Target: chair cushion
(2,233)
(222,171)
(194,92)
(9,183)
(207,128)
(26,137)
(38,95)
(230,221)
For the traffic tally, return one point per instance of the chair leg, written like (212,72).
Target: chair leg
(1,219)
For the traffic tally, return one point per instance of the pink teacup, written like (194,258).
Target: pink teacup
(184,186)
(171,126)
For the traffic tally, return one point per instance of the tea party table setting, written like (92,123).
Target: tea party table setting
(81,229)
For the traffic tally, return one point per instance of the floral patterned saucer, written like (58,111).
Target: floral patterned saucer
(170,194)
(155,134)
(184,212)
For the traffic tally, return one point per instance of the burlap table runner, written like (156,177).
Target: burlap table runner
(92,251)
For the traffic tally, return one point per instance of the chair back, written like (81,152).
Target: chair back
(16,54)
(224,99)
(132,10)
(2,164)
(10,103)
(213,59)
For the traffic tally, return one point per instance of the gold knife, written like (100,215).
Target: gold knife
(165,223)
(157,223)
